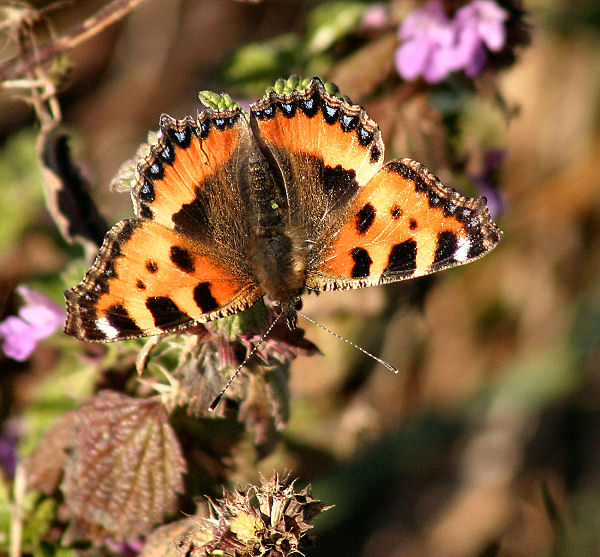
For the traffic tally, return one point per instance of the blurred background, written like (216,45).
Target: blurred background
(488,440)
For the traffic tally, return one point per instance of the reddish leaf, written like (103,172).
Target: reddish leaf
(45,466)
(125,466)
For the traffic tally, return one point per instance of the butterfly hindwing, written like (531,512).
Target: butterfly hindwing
(403,224)
(149,280)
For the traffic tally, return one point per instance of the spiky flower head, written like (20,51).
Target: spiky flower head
(271,519)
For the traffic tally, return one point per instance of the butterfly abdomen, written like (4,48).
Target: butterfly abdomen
(278,266)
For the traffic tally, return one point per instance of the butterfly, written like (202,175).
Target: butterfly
(230,208)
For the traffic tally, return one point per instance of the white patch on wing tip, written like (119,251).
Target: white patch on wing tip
(462,251)
(109,330)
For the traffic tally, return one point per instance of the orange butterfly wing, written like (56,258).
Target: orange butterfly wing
(325,150)
(148,280)
(182,261)
(403,224)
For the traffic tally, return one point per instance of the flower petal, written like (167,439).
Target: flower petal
(411,58)
(438,66)
(477,61)
(44,320)
(19,340)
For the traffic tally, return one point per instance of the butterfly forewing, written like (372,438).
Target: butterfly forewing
(191,181)
(323,150)
(403,224)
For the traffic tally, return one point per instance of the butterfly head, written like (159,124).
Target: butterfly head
(288,310)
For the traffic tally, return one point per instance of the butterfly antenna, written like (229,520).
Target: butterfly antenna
(218,398)
(336,335)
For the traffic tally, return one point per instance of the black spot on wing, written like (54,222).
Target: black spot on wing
(182,138)
(447,244)
(166,152)
(309,106)
(165,312)
(120,319)
(375,153)
(204,129)
(288,109)
(477,246)
(182,259)
(402,259)
(100,287)
(338,183)
(91,331)
(413,224)
(151,266)
(365,218)
(204,298)
(264,114)
(331,114)
(362,263)
(349,122)
(365,136)
(146,192)
(146,212)
(192,219)
(140,285)
(128,227)
(154,170)
(221,123)
(396,212)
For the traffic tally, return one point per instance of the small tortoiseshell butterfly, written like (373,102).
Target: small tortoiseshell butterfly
(294,198)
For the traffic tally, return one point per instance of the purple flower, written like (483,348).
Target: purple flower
(478,25)
(37,319)
(427,36)
(12,430)
(433,45)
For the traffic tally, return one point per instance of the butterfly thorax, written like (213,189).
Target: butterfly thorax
(277,254)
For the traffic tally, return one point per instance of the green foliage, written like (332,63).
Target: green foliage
(330,22)
(20,187)
(248,321)
(37,514)
(217,101)
(254,66)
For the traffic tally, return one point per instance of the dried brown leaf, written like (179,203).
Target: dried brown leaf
(67,192)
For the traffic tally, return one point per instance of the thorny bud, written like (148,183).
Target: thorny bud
(271,519)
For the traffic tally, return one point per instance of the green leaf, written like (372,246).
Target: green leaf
(38,521)
(217,101)
(249,321)
(257,65)
(330,22)
(20,187)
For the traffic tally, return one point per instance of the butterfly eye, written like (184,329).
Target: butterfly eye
(298,304)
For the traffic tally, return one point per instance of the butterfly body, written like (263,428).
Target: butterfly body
(297,197)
